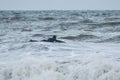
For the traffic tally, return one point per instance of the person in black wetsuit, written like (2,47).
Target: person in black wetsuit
(53,39)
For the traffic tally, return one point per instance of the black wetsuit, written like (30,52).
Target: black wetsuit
(53,39)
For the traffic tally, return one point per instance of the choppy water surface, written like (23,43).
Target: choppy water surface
(91,50)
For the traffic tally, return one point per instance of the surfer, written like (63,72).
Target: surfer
(53,39)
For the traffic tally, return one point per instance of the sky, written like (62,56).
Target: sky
(59,4)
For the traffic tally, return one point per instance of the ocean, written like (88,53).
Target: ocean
(91,50)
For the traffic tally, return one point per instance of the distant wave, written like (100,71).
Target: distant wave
(80,37)
(2,35)
(112,18)
(86,21)
(112,39)
(70,23)
(111,23)
(37,35)
(26,30)
(47,18)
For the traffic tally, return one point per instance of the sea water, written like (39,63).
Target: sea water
(91,50)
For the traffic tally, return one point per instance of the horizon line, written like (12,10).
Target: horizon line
(59,9)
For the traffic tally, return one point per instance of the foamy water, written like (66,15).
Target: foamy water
(91,50)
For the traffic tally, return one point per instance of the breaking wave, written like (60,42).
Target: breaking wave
(50,69)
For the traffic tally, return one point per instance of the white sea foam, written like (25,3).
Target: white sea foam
(88,63)
(32,68)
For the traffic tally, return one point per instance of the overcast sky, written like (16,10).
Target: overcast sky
(60,4)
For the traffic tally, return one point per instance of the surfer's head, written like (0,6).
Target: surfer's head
(54,37)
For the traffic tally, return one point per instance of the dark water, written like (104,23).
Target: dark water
(95,26)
